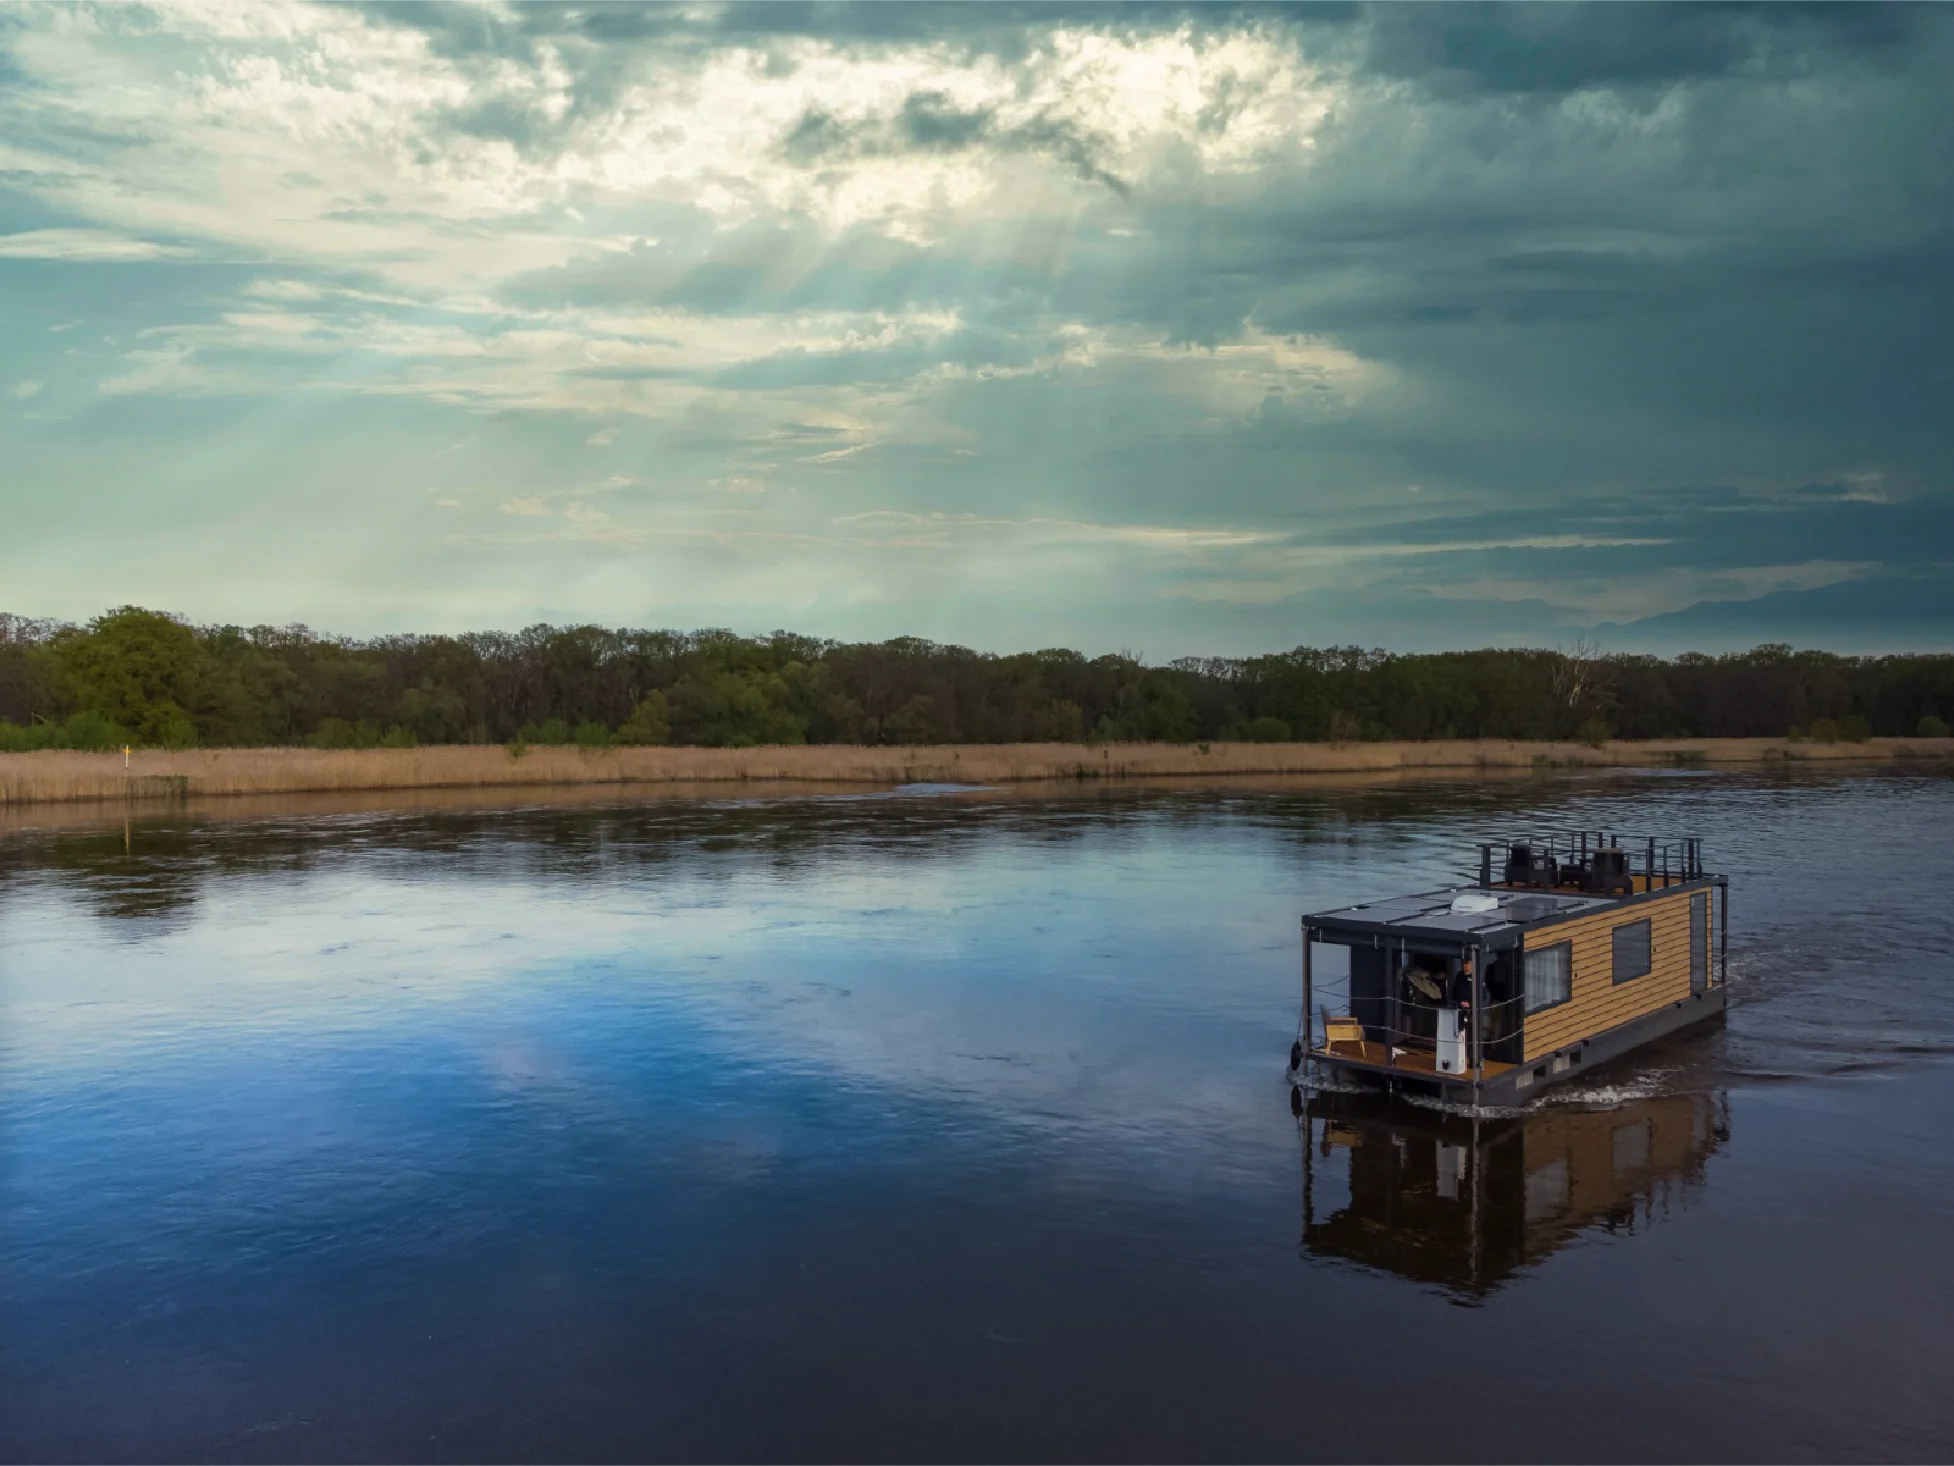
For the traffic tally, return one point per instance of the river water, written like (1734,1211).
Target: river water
(945,1124)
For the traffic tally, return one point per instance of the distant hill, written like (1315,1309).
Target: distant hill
(1888,614)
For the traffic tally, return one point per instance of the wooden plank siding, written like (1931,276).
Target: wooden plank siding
(1597,1004)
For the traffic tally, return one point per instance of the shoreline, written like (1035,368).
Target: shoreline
(158,776)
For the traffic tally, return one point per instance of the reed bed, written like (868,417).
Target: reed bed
(55,776)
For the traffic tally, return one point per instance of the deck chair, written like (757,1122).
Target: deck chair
(1347,1031)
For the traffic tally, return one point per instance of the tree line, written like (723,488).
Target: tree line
(143,677)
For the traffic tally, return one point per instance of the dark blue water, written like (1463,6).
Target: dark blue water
(945,1127)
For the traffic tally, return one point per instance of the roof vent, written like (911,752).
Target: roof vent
(1475,902)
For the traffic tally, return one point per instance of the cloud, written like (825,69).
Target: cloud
(328,137)
(84,245)
(1147,316)
(1561,49)
(912,529)
(24,390)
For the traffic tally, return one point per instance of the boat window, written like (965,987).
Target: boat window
(1550,976)
(1633,954)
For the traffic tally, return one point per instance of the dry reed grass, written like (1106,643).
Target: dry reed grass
(158,775)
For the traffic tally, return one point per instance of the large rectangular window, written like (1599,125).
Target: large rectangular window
(1634,956)
(1550,976)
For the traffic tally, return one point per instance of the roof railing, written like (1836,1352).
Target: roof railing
(1599,862)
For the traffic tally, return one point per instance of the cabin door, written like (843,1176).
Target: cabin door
(1699,942)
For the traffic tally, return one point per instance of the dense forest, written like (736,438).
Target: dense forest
(142,677)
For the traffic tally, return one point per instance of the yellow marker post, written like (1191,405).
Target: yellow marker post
(125,755)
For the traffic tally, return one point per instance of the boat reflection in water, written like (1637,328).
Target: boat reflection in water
(1466,1202)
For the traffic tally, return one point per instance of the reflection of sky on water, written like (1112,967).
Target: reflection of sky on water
(742,1129)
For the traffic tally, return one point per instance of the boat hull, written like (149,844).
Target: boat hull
(1516,1084)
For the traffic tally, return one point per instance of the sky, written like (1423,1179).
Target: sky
(1171,330)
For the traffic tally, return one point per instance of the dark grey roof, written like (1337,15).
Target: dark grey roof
(1432,910)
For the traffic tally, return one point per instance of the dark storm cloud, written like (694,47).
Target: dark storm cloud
(1004,28)
(930,122)
(1520,47)
(1560,48)
(1545,278)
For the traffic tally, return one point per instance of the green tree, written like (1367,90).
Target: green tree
(89,730)
(246,693)
(1931,726)
(30,685)
(1058,721)
(650,722)
(138,669)
(1267,730)
(1594,732)
(136,674)
(339,733)
(1166,713)
(433,714)
(742,709)
(913,722)
(828,714)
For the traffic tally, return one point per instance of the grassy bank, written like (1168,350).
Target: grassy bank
(157,775)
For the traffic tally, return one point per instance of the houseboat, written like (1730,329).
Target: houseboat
(1467,1203)
(1566,952)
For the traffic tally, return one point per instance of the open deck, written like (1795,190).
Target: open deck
(1414,1062)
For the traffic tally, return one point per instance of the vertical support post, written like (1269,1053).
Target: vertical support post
(1485,866)
(1478,1058)
(1648,867)
(1309,1011)
(1394,969)
(1723,914)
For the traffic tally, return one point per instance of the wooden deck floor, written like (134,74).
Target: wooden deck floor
(1407,1061)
